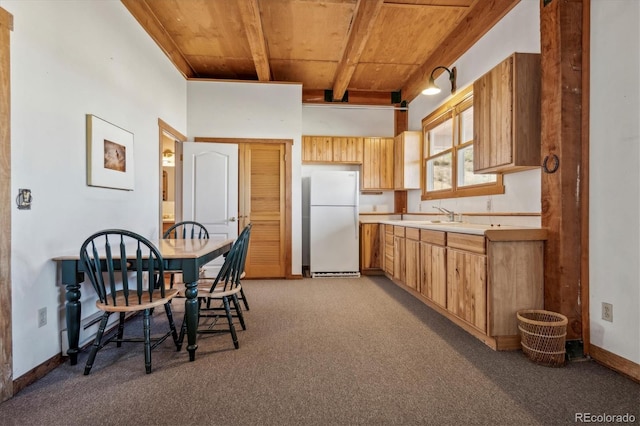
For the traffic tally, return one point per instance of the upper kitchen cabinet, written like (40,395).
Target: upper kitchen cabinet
(377,167)
(506,117)
(317,149)
(347,150)
(407,157)
(332,149)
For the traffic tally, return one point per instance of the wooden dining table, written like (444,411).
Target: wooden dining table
(184,255)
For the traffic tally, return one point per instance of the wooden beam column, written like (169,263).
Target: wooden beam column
(563,78)
(6,351)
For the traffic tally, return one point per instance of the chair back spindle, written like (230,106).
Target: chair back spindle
(231,271)
(109,273)
(187,229)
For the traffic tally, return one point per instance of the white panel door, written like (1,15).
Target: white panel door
(210,190)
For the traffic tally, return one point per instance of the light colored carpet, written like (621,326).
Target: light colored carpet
(326,351)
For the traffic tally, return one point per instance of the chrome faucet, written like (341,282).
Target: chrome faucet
(449,213)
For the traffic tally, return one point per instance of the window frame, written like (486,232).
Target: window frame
(452,109)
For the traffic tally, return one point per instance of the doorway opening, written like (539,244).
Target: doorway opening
(170,192)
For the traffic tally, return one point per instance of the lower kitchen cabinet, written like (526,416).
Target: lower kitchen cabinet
(433,266)
(399,253)
(477,281)
(370,244)
(388,250)
(467,287)
(412,258)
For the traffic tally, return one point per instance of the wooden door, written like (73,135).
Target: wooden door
(263,203)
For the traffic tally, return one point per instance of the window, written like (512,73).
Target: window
(448,158)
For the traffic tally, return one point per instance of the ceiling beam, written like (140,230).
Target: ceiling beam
(364,18)
(355,97)
(482,16)
(148,20)
(250,12)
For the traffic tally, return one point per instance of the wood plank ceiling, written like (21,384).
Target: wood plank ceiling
(355,51)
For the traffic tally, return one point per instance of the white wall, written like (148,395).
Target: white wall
(614,196)
(518,31)
(345,120)
(68,59)
(252,110)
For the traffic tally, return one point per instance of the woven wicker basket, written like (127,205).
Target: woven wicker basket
(542,335)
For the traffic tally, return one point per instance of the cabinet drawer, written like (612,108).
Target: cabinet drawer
(388,230)
(472,243)
(433,237)
(412,233)
(398,231)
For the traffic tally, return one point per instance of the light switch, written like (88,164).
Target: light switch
(23,200)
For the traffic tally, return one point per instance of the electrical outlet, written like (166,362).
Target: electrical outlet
(607,312)
(489,204)
(42,317)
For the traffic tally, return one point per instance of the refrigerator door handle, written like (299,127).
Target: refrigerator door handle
(355,221)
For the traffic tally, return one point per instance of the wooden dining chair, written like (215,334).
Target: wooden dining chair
(127,272)
(247,231)
(217,297)
(186,229)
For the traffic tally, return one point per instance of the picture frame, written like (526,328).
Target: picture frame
(110,160)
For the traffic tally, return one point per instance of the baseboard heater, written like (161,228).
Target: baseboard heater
(335,275)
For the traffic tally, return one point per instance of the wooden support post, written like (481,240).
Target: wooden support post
(6,345)
(401,124)
(563,78)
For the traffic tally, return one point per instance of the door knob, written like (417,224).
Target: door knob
(232,219)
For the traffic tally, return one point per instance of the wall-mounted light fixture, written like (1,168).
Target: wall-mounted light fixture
(432,89)
(168,159)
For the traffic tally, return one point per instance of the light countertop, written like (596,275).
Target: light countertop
(493,232)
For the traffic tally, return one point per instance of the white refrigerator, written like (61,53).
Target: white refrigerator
(334,224)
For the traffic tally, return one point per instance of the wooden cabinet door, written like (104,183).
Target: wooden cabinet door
(377,165)
(467,287)
(506,116)
(398,253)
(262,179)
(492,103)
(370,247)
(433,276)
(388,250)
(317,149)
(348,150)
(412,264)
(407,157)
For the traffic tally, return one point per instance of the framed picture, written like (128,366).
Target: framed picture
(109,155)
